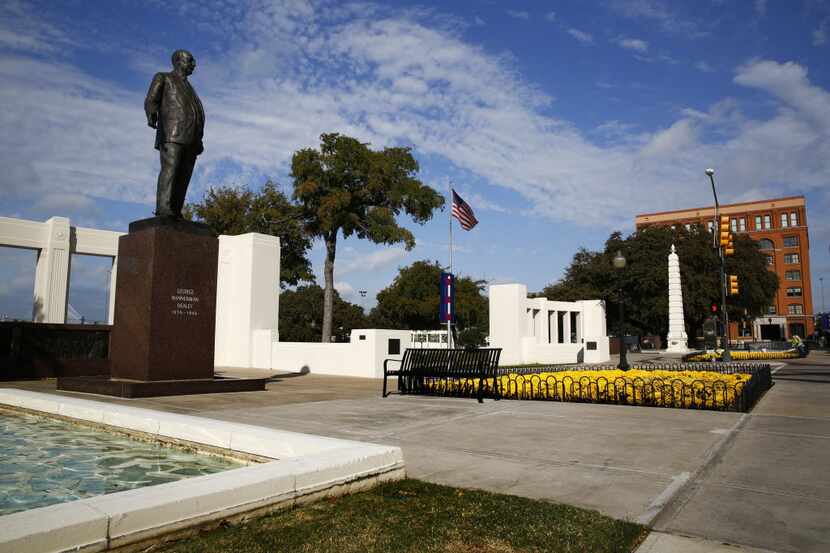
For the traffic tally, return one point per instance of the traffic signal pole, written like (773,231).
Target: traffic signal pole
(725,335)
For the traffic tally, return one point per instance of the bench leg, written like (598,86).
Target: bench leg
(384,384)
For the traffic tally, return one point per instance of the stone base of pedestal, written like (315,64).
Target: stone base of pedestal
(132,388)
(165,302)
(677,346)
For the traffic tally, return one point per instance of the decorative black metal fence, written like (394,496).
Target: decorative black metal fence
(722,387)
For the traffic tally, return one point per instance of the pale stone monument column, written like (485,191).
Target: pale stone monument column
(52,273)
(677,339)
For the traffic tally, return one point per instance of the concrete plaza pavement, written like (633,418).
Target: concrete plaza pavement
(758,480)
(769,485)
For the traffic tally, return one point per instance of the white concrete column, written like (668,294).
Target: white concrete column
(111,299)
(508,321)
(677,339)
(52,273)
(247,300)
(566,322)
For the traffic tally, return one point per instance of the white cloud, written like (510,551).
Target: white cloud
(633,44)
(518,14)
(672,141)
(789,83)
(703,66)
(550,16)
(581,36)
(659,12)
(345,289)
(392,79)
(372,261)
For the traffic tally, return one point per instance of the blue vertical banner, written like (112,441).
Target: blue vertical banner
(447,298)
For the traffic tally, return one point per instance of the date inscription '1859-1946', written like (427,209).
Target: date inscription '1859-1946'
(185,303)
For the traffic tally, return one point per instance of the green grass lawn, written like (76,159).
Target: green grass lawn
(416,517)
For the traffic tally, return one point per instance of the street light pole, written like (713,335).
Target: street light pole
(725,336)
(619,264)
(821,280)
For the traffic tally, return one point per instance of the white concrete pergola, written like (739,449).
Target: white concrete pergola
(55,241)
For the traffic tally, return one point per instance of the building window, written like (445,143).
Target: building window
(795,309)
(767,222)
(742,224)
(791,258)
(688,227)
(792,275)
(757,222)
(734,223)
(771,310)
(790,241)
(794,292)
(783,220)
(766,244)
(711,226)
(793,219)
(770,260)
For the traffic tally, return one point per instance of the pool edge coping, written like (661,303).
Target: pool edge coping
(306,467)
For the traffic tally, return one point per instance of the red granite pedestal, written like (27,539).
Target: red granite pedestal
(162,341)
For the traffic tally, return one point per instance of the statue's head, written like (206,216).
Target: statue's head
(183,61)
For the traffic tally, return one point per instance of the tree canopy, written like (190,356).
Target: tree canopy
(412,301)
(345,187)
(301,315)
(644,281)
(238,210)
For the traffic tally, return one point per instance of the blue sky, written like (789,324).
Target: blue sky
(557,121)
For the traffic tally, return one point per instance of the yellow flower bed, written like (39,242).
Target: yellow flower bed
(702,389)
(746,355)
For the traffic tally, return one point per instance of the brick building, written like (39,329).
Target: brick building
(780,227)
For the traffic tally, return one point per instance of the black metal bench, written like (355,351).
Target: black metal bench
(450,372)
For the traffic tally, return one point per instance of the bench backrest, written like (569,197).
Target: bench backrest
(451,362)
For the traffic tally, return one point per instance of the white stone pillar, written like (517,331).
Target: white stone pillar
(52,273)
(111,299)
(247,300)
(566,323)
(677,339)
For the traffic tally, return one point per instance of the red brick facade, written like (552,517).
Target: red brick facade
(780,225)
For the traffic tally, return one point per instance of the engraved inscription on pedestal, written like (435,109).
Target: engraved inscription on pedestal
(185,303)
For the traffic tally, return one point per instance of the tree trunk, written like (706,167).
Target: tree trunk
(328,293)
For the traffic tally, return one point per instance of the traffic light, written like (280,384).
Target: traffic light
(730,247)
(733,285)
(724,231)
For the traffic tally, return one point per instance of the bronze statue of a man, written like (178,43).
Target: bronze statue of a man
(173,108)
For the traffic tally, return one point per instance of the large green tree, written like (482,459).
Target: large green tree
(301,315)
(347,188)
(644,281)
(412,301)
(238,210)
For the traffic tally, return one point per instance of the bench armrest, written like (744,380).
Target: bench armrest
(387,361)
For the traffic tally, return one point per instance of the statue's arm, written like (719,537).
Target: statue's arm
(153,100)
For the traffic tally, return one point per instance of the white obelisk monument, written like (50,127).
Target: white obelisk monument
(677,339)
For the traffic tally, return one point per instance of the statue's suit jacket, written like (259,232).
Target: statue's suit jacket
(181,117)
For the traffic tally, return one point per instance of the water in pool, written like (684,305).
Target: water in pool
(45,461)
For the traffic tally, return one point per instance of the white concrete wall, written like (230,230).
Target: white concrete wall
(528,329)
(55,241)
(247,300)
(359,357)
(247,315)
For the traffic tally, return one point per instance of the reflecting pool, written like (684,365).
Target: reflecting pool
(45,461)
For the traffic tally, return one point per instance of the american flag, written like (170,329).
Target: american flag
(463,212)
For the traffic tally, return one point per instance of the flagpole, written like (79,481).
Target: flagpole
(449,319)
